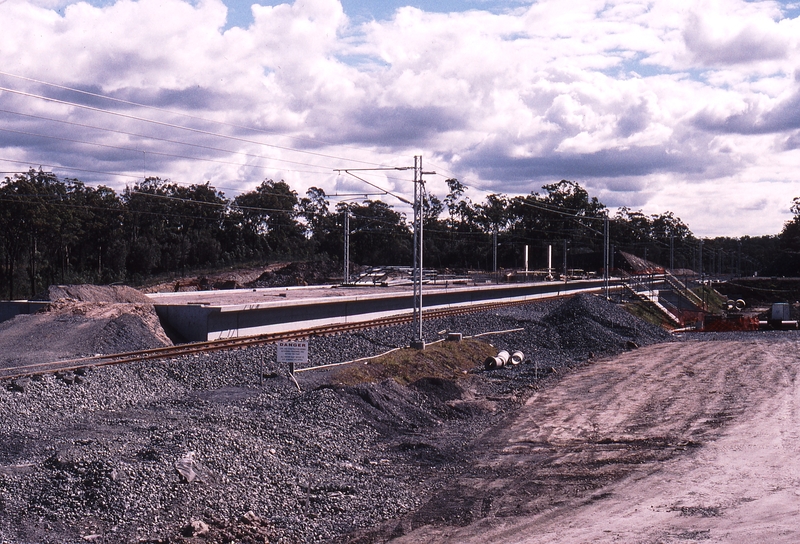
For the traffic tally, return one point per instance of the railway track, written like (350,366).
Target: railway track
(171,352)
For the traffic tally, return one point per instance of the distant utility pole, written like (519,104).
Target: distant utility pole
(671,253)
(419,189)
(494,252)
(739,258)
(700,259)
(418,340)
(346,245)
(605,255)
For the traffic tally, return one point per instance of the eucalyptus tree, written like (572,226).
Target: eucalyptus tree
(564,215)
(632,232)
(379,235)
(151,218)
(268,218)
(323,229)
(788,261)
(171,227)
(435,231)
(35,230)
(103,249)
(464,242)
(14,213)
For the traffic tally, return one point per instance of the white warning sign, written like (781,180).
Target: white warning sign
(295,351)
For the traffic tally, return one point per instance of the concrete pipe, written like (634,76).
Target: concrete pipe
(740,304)
(492,362)
(517,357)
(496,362)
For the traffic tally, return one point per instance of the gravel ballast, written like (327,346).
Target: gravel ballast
(205,449)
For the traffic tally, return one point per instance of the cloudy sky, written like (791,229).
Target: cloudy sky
(691,107)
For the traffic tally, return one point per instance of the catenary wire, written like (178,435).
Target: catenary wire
(159,153)
(172,112)
(176,126)
(160,139)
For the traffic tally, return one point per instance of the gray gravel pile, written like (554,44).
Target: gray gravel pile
(198,449)
(562,332)
(82,321)
(79,332)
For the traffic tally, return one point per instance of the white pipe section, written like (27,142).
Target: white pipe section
(526,259)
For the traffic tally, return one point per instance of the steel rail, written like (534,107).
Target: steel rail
(172,352)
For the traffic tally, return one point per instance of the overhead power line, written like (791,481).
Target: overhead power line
(172,112)
(159,153)
(159,139)
(572,213)
(387,192)
(116,174)
(175,126)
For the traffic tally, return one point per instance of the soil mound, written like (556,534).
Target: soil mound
(293,274)
(83,320)
(589,323)
(94,293)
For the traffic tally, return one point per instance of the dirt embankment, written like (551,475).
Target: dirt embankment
(94,294)
(674,442)
(82,320)
(279,274)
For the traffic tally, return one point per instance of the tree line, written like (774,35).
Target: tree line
(56,230)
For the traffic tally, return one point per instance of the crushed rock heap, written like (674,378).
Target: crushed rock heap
(82,320)
(199,449)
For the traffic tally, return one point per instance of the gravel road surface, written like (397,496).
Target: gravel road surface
(677,442)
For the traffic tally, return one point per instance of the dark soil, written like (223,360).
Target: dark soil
(299,273)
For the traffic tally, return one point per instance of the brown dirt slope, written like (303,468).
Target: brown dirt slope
(95,294)
(83,320)
(674,442)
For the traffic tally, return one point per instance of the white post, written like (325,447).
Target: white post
(526,260)
(549,261)
(417,339)
(346,245)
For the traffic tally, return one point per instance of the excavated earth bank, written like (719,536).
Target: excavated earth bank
(82,320)
(206,449)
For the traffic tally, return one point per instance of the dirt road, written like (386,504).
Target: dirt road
(677,442)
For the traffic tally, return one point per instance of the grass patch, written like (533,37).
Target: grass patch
(715,302)
(649,313)
(446,360)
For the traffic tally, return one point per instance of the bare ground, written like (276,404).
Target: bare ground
(692,441)
(676,442)
(82,320)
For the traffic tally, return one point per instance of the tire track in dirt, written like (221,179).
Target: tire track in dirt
(575,444)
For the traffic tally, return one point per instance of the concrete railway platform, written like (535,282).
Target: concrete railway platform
(211,315)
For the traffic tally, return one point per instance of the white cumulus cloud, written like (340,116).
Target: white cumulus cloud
(654,105)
